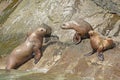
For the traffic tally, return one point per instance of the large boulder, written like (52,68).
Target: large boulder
(62,55)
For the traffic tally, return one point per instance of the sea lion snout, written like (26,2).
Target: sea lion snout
(65,26)
(69,25)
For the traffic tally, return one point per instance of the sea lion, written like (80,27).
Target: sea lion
(99,44)
(81,27)
(24,51)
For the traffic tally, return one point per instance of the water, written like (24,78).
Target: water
(32,75)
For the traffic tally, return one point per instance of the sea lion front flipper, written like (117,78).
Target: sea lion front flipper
(37,55)
(76,38)
(101,56)
(100,52)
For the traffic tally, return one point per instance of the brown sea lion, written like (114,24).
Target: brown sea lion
(24,52)
(81,27)
(99,44)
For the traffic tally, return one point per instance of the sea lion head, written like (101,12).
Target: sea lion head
(69,25)
(92,33)
(41,31)
(48,29)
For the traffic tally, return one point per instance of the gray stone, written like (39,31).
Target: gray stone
(63,55)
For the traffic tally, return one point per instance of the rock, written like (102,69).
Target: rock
(62,56)
(69,59)
(116,29)
(6,8)
(113,6)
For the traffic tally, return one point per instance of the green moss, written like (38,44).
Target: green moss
(7,11)
(7,43)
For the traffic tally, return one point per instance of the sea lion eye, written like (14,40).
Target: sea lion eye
(64,24)
(41,29)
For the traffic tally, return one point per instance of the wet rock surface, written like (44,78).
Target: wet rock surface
(113,6)
(62,56)
(6,8)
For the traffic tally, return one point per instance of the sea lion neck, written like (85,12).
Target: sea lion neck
(74,25)
(40,34)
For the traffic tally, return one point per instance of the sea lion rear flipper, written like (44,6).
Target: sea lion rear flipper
(101,56)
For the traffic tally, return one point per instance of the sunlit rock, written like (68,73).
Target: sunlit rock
(62,56)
